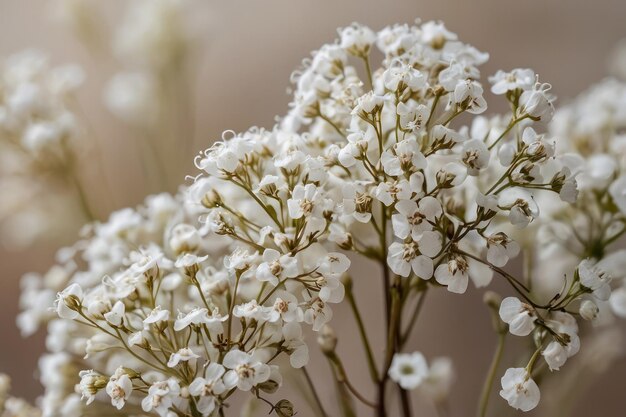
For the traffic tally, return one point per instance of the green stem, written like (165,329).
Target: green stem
(493,368)
(316,397)
(366,344)
(82,198)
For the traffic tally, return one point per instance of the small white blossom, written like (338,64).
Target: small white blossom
(519,389)
(245,370)
(119,388)
(519,316)
(409,370)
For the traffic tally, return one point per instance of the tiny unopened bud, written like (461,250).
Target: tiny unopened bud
(132,374)
(270,386)
(281,240)
(589,310)
(284,408)
(345,242)
(72,302)
(327,339)
(444,178)
(211,199)
(492,299)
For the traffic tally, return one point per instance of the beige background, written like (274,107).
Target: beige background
(249,48)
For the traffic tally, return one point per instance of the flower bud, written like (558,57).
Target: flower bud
(211,199)
(284,408)
(492,299)
(270,386)
(327,339)
(589,310)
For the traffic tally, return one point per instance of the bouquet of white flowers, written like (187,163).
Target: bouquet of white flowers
(190,302)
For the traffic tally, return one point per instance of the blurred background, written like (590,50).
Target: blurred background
(241,57)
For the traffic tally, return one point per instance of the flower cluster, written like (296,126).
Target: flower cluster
(11,406)
(581,271)
(381,167)
(38,144)
(178,305)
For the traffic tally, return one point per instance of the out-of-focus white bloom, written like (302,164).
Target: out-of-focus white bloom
(589,310)
(519,78)
(153,34)
(409,370)
(132,97)
(439,380)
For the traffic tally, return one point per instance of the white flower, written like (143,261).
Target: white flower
(357,203)
(200,316)
(276,267)
(115,317)
(469,93)
(412,115)
(519,390)
(245,370)
(286,304)
(157,315)
(617,189)
(404,156)
(133,98)
(208,388)
(439,380)
(521,205)
(68,301)
(295,345)
(454,274)
(224,157)
(240,260)
(537,103)
(304,201)
(161,396)
(389,192)
(519,316)
(618,301)
(589,310)
(519,78)
(500,248)
(475,155)
(414,255)
(357,39)
(184,238)
(409,370)
(317,313)
(594,279)
(252,310)
(568,344)
(137,338)
(90,383)
(182,355)
(414,218)
(404,76)
(119,388)
(333,264)
(187,260)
